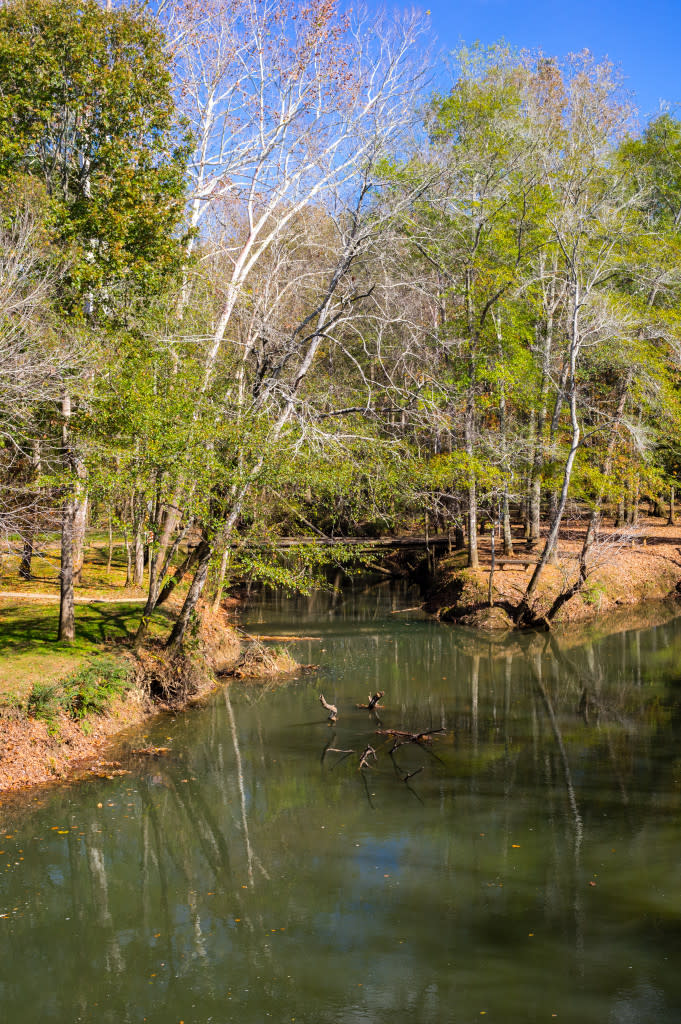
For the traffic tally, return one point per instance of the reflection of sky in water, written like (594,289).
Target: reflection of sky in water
(278,884)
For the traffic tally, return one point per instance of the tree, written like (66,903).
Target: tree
(87,110)
(292,111)
(473,225)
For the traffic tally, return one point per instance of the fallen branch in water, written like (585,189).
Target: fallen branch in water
(401,737)
(331,708)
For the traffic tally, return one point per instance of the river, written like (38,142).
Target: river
(524,865)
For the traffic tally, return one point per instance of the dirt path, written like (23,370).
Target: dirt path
(22,596)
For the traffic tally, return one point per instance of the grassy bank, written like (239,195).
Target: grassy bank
(30,653)
(61,704)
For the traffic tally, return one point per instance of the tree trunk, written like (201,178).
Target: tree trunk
(506,523)
(490,588)
(192,556)
(156,577)
(671,521)
(635,500)
(595,517)
(524,612)
(67,622)
(176,638)
(222,573)
(534,503)
(534,534)
(27,554)
(128,559)
(138,576)
(533,499)
(110,552)
(472,511)
(525,509)
(473,560)
(25,567)
(79,524)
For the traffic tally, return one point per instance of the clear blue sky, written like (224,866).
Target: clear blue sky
(642,37)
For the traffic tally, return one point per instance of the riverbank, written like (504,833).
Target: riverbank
(64,707)
(61,705)
(625,569)
(60,709)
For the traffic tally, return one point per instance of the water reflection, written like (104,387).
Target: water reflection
(523,861)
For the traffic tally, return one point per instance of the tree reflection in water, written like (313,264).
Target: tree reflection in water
(531,843)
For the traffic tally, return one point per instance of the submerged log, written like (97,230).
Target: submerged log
(401,736)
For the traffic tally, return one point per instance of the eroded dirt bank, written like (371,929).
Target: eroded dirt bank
(36,751)
(625,570)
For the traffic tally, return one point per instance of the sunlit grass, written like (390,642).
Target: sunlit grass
(30,651)
(107,615)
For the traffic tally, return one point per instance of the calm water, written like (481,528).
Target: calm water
(529,870)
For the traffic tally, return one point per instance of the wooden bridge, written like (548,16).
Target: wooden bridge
(384,543)
(438,542)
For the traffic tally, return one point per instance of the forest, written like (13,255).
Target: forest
(271,269)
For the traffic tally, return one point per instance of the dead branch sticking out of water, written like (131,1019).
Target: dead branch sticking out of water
(364,759)
(373,701)
(331,708)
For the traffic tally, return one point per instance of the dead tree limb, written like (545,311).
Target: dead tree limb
(364,759)
(401,737)
(373,701)
(331,708)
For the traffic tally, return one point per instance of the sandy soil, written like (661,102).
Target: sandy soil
(626,568)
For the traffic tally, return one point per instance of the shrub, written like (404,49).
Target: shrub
(88,692)
(43,702)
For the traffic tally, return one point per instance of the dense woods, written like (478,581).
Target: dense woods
(265,272)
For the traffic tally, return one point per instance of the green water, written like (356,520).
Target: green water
(530,869)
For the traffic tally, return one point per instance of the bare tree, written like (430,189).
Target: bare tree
(34,362)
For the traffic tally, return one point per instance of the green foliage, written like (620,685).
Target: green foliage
(86,109)
(43,702)
(89,691)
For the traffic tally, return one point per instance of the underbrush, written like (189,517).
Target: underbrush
(260,662)
(90,691)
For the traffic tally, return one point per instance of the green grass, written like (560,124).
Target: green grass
(30,652)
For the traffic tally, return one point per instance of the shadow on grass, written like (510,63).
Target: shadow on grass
(24,627)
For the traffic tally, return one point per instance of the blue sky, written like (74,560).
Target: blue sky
(642,37)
